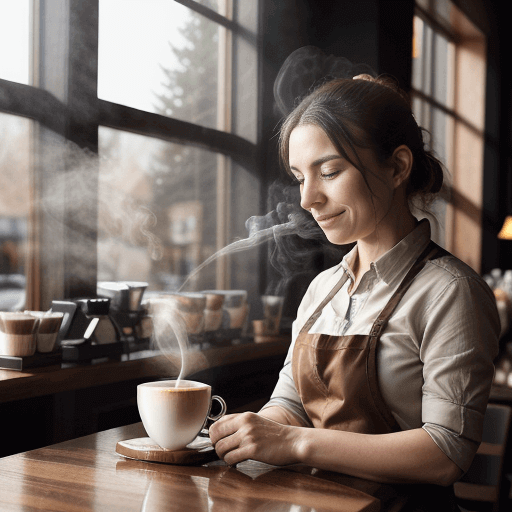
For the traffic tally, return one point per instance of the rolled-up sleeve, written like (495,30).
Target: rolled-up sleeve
(459,345)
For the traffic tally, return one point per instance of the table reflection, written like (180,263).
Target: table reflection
(249,487)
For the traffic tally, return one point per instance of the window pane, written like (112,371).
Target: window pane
(14,209)
(245,72)
(157,211)
(215,5)
(417,53)
(442,51)
(417,109)
(423,113)
(15,40)
(245,265)
(440,127)
(159,57)
(428,35)
(422,57)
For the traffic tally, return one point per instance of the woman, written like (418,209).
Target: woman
(392,354)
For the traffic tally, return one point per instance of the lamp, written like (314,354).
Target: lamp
(506,230)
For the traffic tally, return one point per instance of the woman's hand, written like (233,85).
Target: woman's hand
(238,437)
(410,456)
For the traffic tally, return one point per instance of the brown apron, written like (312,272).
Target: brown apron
(336,378)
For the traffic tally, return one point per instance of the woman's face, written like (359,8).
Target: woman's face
(335,192)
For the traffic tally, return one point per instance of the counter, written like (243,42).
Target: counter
(63,403)
(148,364)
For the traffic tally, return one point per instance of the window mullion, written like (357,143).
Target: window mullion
(224,118)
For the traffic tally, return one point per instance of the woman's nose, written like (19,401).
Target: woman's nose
(311,194)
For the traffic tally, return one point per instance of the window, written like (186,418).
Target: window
(139,124)
(157,213)
(160,57)
(184,70)
(15,163)
(14,209)
(448,91)
(15,34)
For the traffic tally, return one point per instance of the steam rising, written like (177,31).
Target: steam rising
(169,332)
(287,257)
(72,188)
(259,234)
(80,203)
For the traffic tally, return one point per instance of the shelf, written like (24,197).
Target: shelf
(20,385)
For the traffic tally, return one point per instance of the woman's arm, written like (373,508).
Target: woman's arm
(282,415)
(401,457)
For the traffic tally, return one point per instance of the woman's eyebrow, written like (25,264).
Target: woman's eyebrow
(321,160)
(324,159)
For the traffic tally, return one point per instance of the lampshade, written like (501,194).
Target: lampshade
(506,230)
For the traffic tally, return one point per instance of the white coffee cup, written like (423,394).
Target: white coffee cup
(174,416)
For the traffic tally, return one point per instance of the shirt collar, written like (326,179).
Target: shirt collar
(393,264)
(347,263)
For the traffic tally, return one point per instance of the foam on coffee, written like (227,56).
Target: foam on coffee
(176,386)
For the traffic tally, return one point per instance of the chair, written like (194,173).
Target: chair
(481,487)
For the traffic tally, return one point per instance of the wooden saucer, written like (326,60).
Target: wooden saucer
(199,451)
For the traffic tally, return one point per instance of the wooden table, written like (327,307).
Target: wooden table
(87,474)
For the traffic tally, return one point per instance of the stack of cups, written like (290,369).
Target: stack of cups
(17,337)
(226,309)
(235,304)
(190,307)
(265,329)
(213,312)
(47,329)
(272,310)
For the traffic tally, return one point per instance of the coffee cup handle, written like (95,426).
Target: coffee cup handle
(223,408)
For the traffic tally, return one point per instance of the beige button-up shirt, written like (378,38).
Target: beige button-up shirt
(435,358)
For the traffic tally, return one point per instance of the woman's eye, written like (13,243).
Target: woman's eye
(329,175)
(299,180)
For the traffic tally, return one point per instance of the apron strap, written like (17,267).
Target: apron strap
(318,311)
(432,250)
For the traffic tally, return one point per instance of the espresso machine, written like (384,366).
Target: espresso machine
(127,314)
(110,325)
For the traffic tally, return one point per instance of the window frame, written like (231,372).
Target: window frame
(57,106)
(464,209)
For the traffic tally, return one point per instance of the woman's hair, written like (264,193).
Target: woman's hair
(367,112)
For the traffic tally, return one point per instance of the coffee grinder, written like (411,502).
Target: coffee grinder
(126,313)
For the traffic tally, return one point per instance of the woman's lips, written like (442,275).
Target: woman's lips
(327,220)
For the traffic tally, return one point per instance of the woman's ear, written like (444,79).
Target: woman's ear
(401,161)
